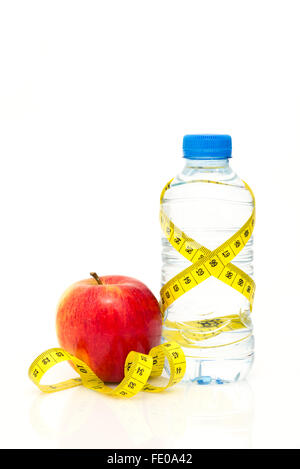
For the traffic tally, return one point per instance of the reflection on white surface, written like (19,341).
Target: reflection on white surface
(188,416)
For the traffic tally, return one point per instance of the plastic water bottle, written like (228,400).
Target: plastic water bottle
(209,214)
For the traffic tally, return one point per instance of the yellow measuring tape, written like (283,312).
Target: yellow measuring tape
(205,263)
(138,369)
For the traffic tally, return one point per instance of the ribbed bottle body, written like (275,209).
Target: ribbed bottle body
(210,214)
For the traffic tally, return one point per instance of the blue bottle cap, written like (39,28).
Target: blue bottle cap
(207,147)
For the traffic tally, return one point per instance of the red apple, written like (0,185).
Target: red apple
(100,320)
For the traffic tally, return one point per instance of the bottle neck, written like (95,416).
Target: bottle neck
(207,165)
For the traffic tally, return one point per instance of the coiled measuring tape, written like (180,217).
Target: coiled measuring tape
(205,263)
(137,370)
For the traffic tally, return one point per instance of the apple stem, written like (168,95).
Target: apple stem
(96,277)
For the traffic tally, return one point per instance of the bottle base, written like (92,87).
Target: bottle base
(212,372)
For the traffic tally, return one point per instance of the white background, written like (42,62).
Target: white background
(95,98)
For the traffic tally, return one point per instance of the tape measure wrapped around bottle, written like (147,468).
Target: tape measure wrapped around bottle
(205,263)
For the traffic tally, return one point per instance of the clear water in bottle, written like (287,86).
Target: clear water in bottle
(210,214)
